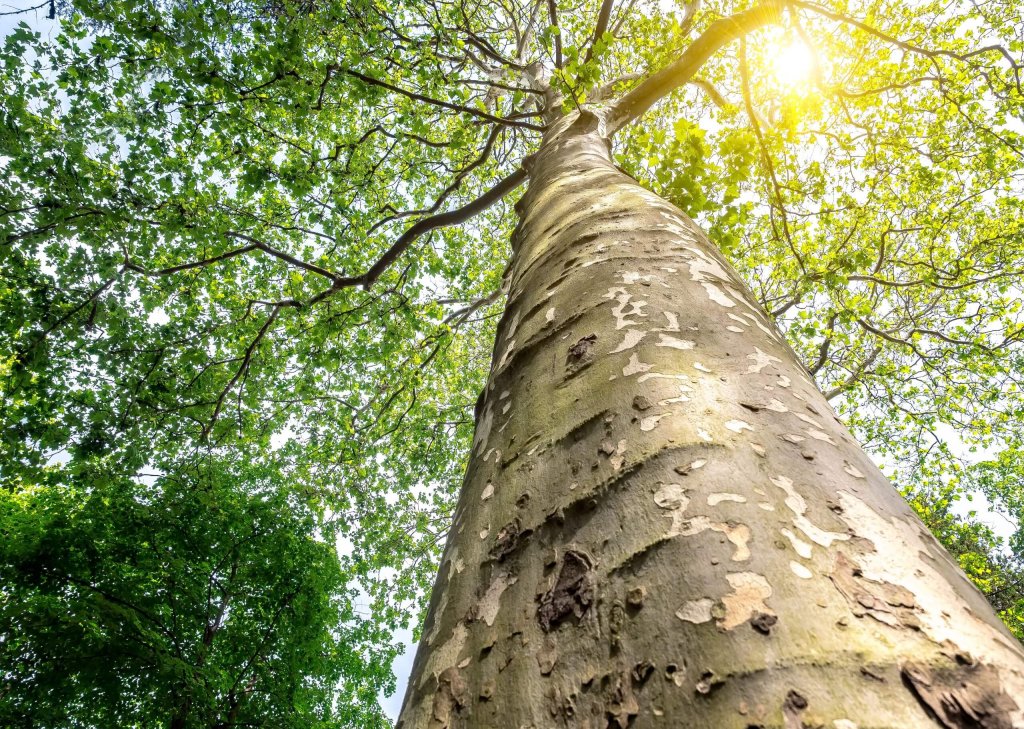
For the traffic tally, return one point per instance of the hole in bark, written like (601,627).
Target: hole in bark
(642,671)
(795,701)
(581,354)
(763,622)
(708,682)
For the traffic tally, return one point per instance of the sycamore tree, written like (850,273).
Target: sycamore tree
(255,255)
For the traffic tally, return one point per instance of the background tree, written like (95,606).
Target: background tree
(234,246)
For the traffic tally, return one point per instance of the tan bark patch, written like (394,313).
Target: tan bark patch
(749,591)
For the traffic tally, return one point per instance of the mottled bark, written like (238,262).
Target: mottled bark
(663,523)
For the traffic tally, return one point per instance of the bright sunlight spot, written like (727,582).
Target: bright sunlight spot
(793,65)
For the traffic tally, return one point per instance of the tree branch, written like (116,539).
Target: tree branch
(442,220)
(910,47)
(242,368)
(631,106)
(602,25)
(553,18)
(443,104)
(766,156)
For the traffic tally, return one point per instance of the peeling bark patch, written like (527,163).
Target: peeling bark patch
(673,322)
(483,430)
(672,496)
(622,314)
(738,535)
(961,696)
(853,471)
(819,435)
(799,545)
(635,366)
(717,295)
(487,608)
(446,654)
(547,657)
(749,591)
(738,426)
(693,466)
(715,499)
(696,611)
(451,696)
(508,354)
(632,338)
(800,570)
(642,671)
(887,603)
(651,421)
(635,598)
(798,506)
(488,491)
(572,593)
(708,682)
(666,341)
(581,354)
(761,360)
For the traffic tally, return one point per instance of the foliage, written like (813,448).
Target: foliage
(231,262)
(210,596)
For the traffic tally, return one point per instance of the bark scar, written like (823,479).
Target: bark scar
(572,593)
(963,695)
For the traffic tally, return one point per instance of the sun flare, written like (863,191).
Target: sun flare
(793,64)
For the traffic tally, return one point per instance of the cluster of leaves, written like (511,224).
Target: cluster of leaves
(209,596)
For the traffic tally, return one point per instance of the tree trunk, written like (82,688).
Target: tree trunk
(663,523)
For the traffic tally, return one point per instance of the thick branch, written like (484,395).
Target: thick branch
(442,220)
(602,25)
(720,33)
(253,245)
(553,18)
